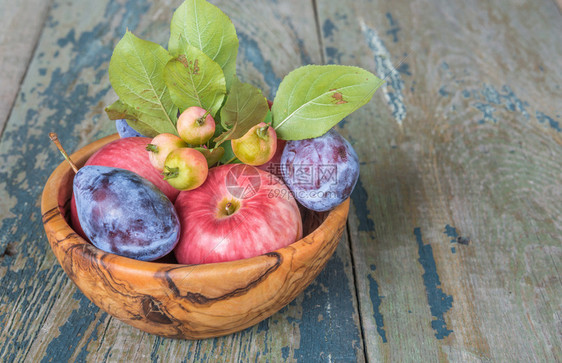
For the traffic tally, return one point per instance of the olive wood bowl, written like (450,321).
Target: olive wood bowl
(185,301)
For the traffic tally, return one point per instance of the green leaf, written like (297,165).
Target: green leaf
(312,99)
(228,153)
(135,72)
(195,80)
(213,156)
(119,110)
(268,117)
(244,108)
(206,27)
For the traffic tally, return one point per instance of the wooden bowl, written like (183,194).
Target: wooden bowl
(185,301)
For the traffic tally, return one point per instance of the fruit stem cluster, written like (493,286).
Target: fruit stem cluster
(262,132)
(229,208)
(171,173)
(151,147)
(201,120)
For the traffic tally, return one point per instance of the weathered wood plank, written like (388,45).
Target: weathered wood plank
(463,141)
(20,25)
(42,314)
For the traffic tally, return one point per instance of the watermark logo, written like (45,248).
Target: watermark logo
(312,175)
(243,181)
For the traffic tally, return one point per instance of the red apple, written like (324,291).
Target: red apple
(239,212)
(130,154)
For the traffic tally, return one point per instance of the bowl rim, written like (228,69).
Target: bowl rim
(56,226)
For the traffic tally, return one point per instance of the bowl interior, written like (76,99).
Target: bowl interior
(186,301)
(311,219)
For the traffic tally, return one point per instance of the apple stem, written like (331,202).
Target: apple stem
(229,208)
(152,148)
(262,132)
(201,120)
(171,173)
(55,140)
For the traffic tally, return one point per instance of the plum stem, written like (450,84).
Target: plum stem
(55,140)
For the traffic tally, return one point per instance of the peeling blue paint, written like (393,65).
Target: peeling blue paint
(61,348)
(513,103)
(285,353)
(337,331)
(393,31)
(404,68)
(443,92)
(131,18)
(328,28)
(506,97)
(439,302)
(444,65)
(543,118)
(61,105)
(252,53)
(384,69)
(333,55)
(451,232)
(342,123)
(303,51)
(376,299)
(453,250)
(14,288)
(359,198)
(490,94)
(154,357)
(487,110)
(70,38)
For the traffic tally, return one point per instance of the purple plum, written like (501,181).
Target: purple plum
(125,130)
(125,214)
(320,172)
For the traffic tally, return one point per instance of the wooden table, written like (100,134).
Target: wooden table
(453,249)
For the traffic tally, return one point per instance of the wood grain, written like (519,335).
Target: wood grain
(462,144)
(45,316)
(178,301)
(20,26)
(455,224)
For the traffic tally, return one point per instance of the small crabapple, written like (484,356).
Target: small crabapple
(160,146)
(257,146)
(195,125)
